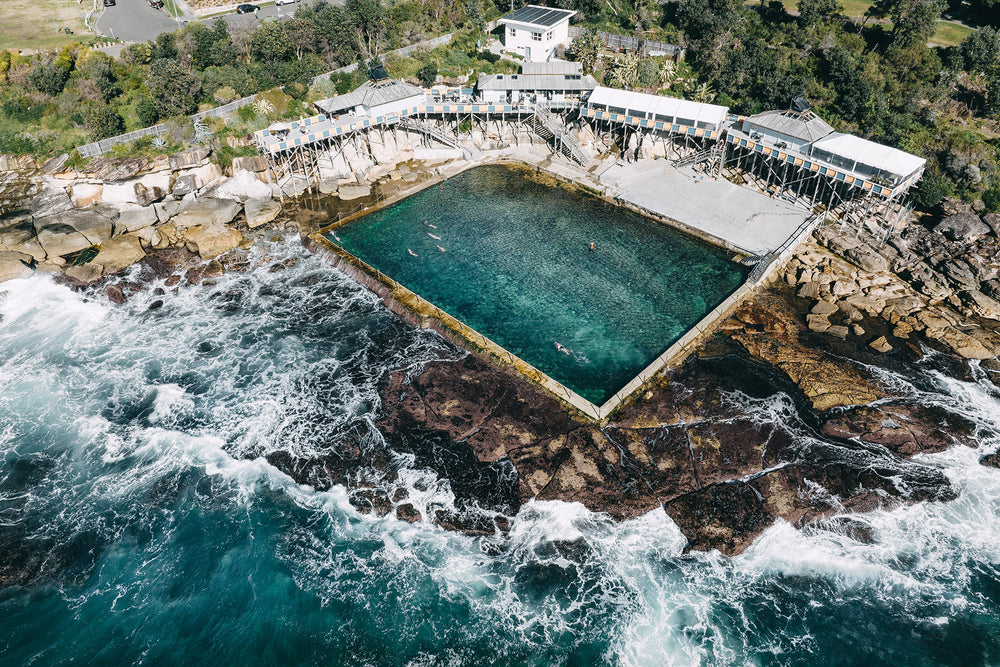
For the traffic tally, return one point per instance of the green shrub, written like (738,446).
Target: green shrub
(992,198)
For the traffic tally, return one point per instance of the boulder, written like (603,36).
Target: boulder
(50,202)
(58,239)
(960,273)
(965,226)
(990,460)
(166,210)
(838,330)
(119,253)
(328,186)
(86,194)
(85,273)
(144,196)
(348,192)
(206,211)
(981,305)
(992,220)
(95,226)
(867,258)
(56,164)
(14,265)
(134,219)
(242,186)
(211,240)
(120,169)
(185,184)
(189,157)
(261,211)
(824,308)
(818,323)
(880,344)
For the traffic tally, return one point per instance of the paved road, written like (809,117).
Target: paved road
(136,21)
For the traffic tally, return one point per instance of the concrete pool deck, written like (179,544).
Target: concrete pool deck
(737,218)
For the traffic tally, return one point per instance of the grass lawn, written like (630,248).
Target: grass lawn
(31,24)
(950,34)
(171,8)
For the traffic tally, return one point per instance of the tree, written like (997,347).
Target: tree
(587,49)
(49,79)
(145,111)
(270,42)
(931,190)
(981,51)
(912,20)
(371,19)
(102,121)
(173,88)
(812,11)
(139,53)
(104,78)
(428,74)
(301,34)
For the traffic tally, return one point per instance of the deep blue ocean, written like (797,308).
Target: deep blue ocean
(140,523)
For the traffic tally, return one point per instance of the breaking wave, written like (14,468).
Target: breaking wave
(140,520)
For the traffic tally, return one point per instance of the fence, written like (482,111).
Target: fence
(627,43)
(104,145)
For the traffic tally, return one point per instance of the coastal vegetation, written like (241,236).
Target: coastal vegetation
(868,68)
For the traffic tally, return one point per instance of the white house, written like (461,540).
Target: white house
(374,99)
(534,32)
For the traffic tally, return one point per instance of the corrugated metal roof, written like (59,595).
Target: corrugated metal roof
(664,106)
(575,82)
(540,16)
(370,94)
(552,67)
(884,158)
(806,126)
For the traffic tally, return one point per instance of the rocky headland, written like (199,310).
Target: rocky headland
(707,442)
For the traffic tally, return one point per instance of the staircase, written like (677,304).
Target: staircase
(550,128)
(694,158)
(430,130)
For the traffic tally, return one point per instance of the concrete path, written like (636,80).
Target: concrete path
(741,217)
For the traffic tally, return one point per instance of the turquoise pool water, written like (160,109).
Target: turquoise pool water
(511,258)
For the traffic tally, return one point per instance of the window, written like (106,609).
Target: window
(536,36)
(513,32)
(548,35)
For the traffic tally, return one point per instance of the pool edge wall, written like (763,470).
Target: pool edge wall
(424,314)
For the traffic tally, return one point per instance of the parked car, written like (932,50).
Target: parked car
(246,9)
(155,4)
(109,3)
(285,2)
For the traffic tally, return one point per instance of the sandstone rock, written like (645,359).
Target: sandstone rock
(14,265)
(964,226)
(981,305)
(867,258)
(880,344)
(809,291)
(119,253)
(818,323)
(56,164)
(906,430)
(185,184)
(116,169)
(189,158)
(252,163)
(144,196)
(134,219)
(50,202)
(86,194)
(348,192)
(15,232)
(961,343)
(838,330)
(261,211)
(844,287)
(961,274)
(72,232)
(824,308)
(992,220)
(858,330)
(242,186)
(211,240)
(205,211)
(990,460)
(166,210)
(85,273)
(328,186)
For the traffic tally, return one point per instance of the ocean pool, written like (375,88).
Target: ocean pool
(511,257)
